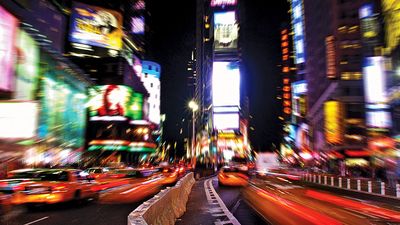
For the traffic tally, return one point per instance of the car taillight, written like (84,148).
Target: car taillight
(164,171)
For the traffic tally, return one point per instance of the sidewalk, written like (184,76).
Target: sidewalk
(204,207)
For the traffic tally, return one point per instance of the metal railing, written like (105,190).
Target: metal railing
(355,184)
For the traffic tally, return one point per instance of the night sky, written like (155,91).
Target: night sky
(172,38)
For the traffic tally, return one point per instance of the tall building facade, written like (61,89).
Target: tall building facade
(222,116)
(328,55)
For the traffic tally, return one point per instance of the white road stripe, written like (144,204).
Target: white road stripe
(210,188)
(38,220)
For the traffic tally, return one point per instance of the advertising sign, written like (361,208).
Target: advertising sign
(215,3)
(299,87)
(330,57)
(298,25)
(137,25)
(226,121)
(333,111)
(374,80)
(95,26)
(114,102)
(8,24)
(62,112)
(379,119)
(225,31)
(18,119)
(391,13)
(27,68)
(225,84)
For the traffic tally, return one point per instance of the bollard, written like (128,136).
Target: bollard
(358,185)
(319,179)
(348,183)
(331,181)
(382,188)
(398,190)
(369,186)
(325,180)
(340,182)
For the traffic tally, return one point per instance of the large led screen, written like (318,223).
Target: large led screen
(8,24)
(225,30)
(96,26)
(374,80)
(62,111)
(225,84)
(379,119)
(114,102)
(226,121)
(27,68)
(18,119)
(298,26)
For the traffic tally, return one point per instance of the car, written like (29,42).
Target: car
(124,173)
(98,172)
(50,186)
(232,176)
(170,175)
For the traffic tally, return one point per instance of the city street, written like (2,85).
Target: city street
(114,205)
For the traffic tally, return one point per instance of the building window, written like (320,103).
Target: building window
(150,68)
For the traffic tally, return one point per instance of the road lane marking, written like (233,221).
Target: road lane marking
(210,191)
(236,206)
(38,220)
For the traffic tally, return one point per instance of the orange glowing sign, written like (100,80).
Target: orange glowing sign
(330,57)
(333,111)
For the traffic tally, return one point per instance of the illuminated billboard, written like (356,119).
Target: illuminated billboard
(27,67)
(18,119)
(215,3)
(379,119)
(298,25)
(8,24)
(114,102)
(137,25)
(226,121)
(330,57)
(225,30)
(95,26)
(391,13)
(333,114)
(225,84)
(299,87)
(374,80)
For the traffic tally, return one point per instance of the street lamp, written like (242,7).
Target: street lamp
(193,105)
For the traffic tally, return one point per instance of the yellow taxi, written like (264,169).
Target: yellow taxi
(170,175)
(232,176)
(55,185)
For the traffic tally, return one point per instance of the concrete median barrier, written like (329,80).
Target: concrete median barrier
(165,207)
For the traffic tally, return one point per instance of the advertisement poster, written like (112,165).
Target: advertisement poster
(114,102)
(27,66)
(225,30)
(62,116)
(8,24)
(96,26)
(18,119)
(225,84)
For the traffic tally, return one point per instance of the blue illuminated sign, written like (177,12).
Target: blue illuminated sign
(298,26)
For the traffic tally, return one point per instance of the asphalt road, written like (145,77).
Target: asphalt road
(91,213)
(233,200)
